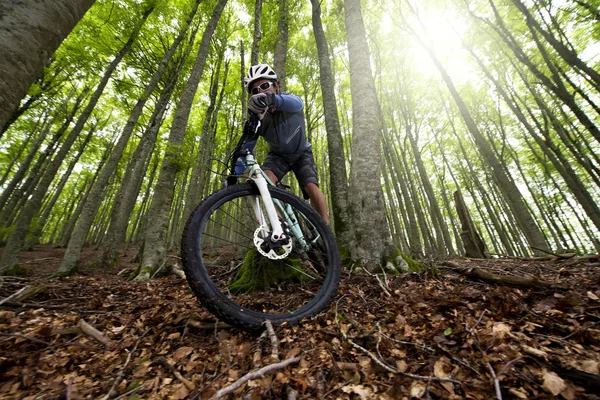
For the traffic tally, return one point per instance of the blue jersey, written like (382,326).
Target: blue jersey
(284,129)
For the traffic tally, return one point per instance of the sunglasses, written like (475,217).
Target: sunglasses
(262,87)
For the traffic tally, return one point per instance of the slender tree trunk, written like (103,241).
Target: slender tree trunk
(555,86)
(474,246)
(372,242)
(129,189)
(527,224)
(155,242)
(197,184)
(36,232)
(30,33)
(257,34)
(9,261)
(281,44)
(70,259)
(338,176)
(566,53)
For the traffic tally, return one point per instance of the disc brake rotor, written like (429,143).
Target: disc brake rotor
(262,237)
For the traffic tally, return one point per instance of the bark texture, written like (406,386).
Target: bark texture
(474,246)
(366,204)
(281,44)
(30,33)
(335,145)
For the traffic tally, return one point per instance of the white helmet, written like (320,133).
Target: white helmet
(258,71)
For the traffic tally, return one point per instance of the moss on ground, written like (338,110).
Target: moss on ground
(260,273)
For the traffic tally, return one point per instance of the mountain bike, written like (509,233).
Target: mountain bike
(253,252)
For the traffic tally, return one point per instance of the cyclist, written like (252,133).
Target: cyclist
(283,127)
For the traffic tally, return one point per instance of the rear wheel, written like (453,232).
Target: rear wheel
(242,276)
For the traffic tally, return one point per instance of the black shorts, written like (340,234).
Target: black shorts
(304,168)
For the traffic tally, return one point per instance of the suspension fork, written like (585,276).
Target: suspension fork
(263,187)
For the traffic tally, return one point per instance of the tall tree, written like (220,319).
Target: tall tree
(337,161)
(372,241)
(535,237)
(155,241)
(281,44)
(30,33)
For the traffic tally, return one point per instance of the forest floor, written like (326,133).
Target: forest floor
(417,335)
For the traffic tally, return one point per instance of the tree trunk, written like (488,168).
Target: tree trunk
(257,33)
(130,187)
(566,53)
(36,231)
(527,224)
(372,242)
(338,178)
(281,44)
(474,246)
(197,184)
(30,33)
(8,263)
(70,259)
(155,242)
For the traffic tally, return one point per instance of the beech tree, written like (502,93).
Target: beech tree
(30,33)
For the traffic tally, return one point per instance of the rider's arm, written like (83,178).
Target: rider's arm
(287,103)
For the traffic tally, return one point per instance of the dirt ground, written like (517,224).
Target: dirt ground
(412,336)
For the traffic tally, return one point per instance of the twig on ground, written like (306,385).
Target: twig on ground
(338,387)
(254,375)
(508,364)
(12,296)
(188,384)
(273,339)
(93,332)
(257,357)
(472,330)
(113,389)
(208,325)
(132,391)
(382,286)
(70,388)
(391,369)
(496,381)
(26,337)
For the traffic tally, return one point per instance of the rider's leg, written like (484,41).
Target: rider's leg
(271,176)
(317,199)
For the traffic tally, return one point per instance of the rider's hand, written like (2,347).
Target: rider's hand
(259,103)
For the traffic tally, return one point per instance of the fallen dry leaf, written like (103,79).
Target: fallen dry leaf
(553,383)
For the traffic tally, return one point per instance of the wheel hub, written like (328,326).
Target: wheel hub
(270,249)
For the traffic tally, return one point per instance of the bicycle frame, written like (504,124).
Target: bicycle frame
(274,208)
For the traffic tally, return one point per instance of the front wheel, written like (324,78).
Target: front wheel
(243,277)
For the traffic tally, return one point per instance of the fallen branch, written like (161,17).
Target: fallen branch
(273,339)
(257,357)
(35,305)
(254,375)
(12,296)
(188,384)
(513,281)
(496,381)
(93,332)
